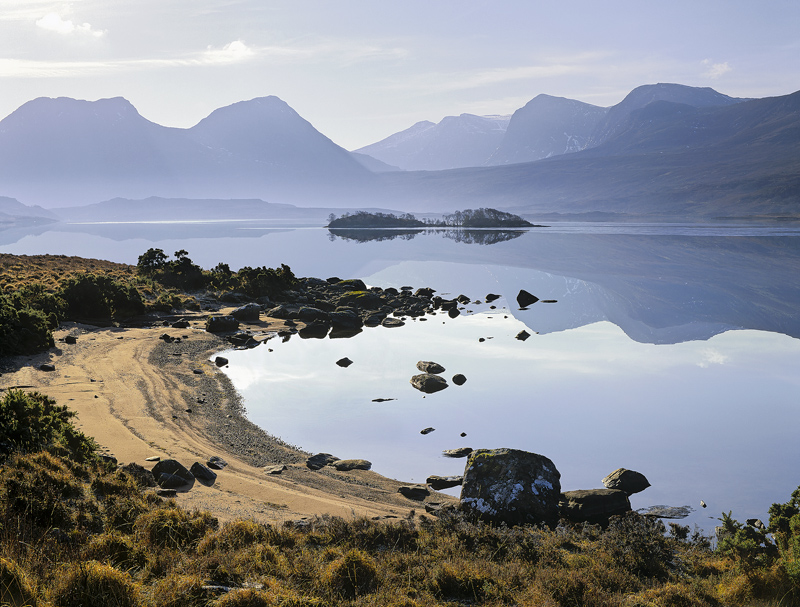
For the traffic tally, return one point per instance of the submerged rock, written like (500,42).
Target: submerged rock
(511,486)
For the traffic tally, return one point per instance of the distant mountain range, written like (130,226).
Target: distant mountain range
(456,141)
(666,150)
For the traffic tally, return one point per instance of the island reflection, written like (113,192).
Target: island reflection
(463,235)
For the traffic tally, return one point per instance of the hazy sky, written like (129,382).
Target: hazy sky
(360,70)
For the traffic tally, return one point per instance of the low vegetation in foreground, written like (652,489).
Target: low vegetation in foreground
(80,531)
(39,292)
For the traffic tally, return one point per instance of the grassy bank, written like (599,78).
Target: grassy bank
(81,531)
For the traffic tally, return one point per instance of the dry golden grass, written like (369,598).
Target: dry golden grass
(52,270)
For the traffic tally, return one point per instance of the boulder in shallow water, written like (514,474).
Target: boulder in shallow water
(594,505)
(522,335)
(525,299)
(459,379)
(511,486)
(428,366)
(625,480)
(428,383)
(458,452)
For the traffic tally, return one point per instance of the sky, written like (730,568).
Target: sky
(360,70)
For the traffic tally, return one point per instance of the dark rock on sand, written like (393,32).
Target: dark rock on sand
(438,483)
(70,339)
(594,505)
(511,486)
(628,481)
(427,366)
(221,324)
(247,313)
(180,324)
(275,469)
(525,299)
(345,465)
(203,474)
(414,493)
(428,383)
(215,462)
(459,379)
(320,460)
(47,367)
(171,474)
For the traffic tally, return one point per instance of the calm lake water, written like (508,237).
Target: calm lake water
(672,350)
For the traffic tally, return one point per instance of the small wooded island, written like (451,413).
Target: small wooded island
(477,218)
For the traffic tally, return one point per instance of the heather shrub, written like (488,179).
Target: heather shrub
(352,574)
(173,528)
(93,584)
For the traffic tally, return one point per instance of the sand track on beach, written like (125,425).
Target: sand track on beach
(140,396)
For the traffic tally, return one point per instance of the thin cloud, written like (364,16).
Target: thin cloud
(715,70)
(53,22)
(234,52)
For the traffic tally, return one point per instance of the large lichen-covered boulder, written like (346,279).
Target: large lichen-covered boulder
(511,486)
(625,480)
(594,505)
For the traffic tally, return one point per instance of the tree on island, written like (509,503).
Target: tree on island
(478,218)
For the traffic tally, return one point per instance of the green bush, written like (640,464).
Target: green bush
(23,331)
(92,296)
(32,422)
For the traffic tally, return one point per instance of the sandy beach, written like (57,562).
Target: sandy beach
(140,397)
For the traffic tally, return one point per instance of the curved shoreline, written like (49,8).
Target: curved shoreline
(141,396)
